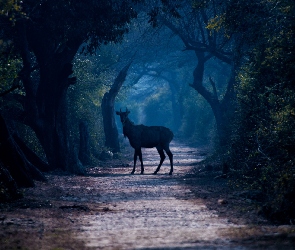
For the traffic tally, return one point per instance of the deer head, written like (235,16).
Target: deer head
(123,115)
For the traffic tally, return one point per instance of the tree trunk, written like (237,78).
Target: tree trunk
(46,100)
(31,156)
(84,149)
(109,124)
(108,112)
(15,161)
(60,151)
(51,125)
(221,109)
(177,110)
(8,186)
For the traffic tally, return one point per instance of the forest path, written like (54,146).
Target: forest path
(111,209)
(153,211)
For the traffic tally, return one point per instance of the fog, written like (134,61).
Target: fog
(149,102)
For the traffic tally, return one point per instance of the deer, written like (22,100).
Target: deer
(141,136)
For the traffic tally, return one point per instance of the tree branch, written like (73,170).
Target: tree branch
(120,79)
(14,87)
(214,87)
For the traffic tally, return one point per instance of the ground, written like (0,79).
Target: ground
(111,209)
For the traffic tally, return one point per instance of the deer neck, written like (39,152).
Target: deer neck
(127,126)
(127,122)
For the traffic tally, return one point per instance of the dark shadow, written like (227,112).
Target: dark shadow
(107,175)
(127,174)
(201,246)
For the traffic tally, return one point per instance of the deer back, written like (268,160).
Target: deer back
(148,136)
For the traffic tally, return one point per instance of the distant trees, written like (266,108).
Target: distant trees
(148,48)
(158,83)
(193,26)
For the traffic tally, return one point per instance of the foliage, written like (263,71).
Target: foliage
(8,188)
(198,122)
(264,140)
(46,36)
(9,60)
(94,76)
(11,10)
(158,106)
(9,67)
(153,99)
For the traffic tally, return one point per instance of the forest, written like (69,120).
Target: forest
(219,74)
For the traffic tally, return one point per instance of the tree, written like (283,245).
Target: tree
(143,45)
(194,27)
(47,36)
(262,149)
(21,171)
(108,111)
(166,72)
(158,62)
(19,165)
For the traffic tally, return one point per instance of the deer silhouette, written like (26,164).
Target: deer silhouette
(141,136)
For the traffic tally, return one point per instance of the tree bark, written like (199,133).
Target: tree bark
(14,160)
(31,156)
(51,124)
(8,186)
(45,106)
(108,112)
(221,109)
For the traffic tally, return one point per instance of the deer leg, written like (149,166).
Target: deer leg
(135,159)
(162,155)
(171,160)
(140,158)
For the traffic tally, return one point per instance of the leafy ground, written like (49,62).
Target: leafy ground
(111,209)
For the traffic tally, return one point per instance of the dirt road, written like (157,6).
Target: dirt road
(111,209)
